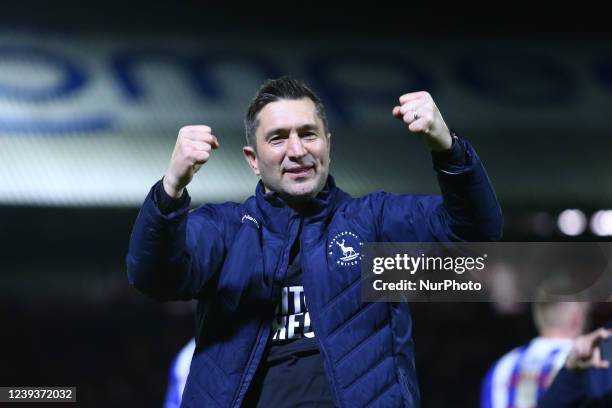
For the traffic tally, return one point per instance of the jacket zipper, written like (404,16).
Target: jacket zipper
(262,329)
(314,323)
(242,383)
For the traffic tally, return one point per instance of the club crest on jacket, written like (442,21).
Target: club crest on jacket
(346,248)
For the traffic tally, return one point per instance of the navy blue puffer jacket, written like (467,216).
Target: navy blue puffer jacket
(233,259)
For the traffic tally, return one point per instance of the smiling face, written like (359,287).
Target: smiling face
(292,149)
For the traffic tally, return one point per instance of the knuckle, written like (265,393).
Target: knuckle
(195,129)
(185,150)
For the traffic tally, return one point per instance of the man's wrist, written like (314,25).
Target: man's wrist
(171,188)
(444,145)
(455,156)
(165,202)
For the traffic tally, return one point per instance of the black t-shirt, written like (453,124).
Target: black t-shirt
(291,372)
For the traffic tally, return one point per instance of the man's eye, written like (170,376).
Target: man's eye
(310,135)
(276,140)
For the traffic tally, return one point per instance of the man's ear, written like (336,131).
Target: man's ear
(251,157)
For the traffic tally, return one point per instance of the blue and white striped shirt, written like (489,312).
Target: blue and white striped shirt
(519,378)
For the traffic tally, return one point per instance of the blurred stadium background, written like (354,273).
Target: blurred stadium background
(92,96)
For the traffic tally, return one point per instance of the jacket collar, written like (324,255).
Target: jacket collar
(276,213)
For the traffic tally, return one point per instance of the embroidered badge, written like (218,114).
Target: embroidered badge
(346,247)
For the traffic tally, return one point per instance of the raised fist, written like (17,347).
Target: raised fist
(420,113)
(193,146)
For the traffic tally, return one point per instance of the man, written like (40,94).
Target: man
(520,378)
(280,321)
(586,378)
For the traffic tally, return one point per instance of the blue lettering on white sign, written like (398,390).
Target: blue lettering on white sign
(508,78)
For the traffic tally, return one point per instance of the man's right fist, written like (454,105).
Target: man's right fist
(193,146)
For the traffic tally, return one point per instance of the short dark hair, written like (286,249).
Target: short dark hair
(274,90)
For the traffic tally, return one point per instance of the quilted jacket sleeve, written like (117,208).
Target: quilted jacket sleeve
(467,210)
(173,256)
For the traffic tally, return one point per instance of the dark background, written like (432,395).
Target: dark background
(68,314)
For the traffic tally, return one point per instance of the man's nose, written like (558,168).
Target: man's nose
(295,147)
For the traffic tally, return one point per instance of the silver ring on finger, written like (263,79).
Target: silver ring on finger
(415,115)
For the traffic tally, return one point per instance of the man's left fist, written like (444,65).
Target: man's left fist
(419,111)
